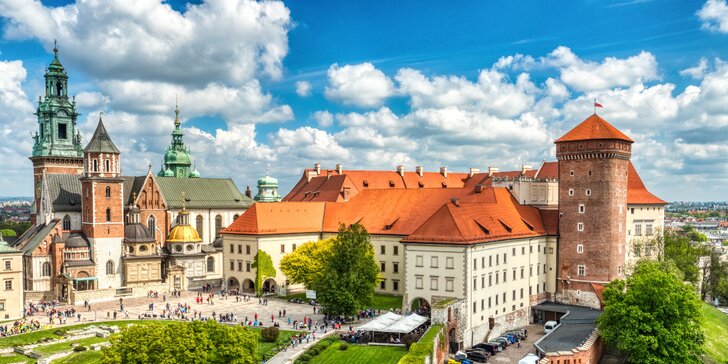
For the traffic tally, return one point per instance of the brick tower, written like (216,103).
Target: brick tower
(102,214)
(593,164)
(57,143)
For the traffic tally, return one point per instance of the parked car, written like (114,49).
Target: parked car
(476,350)
(503,341)
(490,348)
(529,359)
(550,326)
(511,340)
(477,356)
(521,333)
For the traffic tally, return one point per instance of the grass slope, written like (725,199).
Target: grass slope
(84,357)
(715,327)
(359,354)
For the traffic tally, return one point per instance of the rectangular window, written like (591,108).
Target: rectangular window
(240,249)
(62,131)
(571,192)
(475,264)
(382,250)
(433,262)
(433,283)
(475,283)
(449,263)
(395,285)
(418,282)
(496,300)
(2,305)
(293,248)
(247,266)
(544,269)
(581,208)
(482,304)
(489,302)
(530,249)
(395,267)
(8,265)
(648,229)
(523,250)
(383,284)
(588,192)
(482,262)
(240,266)
(522,270)
(580,248)
(490,279)
(514,295)
(580,226)
(232,248)
(449,284)
(418,261)
(490,260)
(8,284)
(396,250)
(521,292)
(496,278)
(283,248)
(551,250)
(544,283)
(514,274)
(497,259)
(232,265)
(382,266)
(505,276)
(581,270)
(504,297)
(530,271)
(514,252)
(638,229)
(482,281)
(475,306)
(247,249)
(505,259)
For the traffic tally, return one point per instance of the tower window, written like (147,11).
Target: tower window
(571,192)
(581,270)
(46,269)
(571,173)
(588,192)
(108,165)
(581,208)
(96,166)
(108,192)
(62,132)
(66,222)
(580,226)
(580,248)
(108,214)
(151,225)
(218,225)
(109,267)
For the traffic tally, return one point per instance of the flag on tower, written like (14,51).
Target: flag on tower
(596,104)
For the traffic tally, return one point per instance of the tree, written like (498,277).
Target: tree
(653,316)
(182,342)
(264,269)
(349,273)
(684,247)
(305,264)
(8,232)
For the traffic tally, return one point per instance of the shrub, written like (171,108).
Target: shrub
(305,357)
(343,346)
(408,340)
(80,348)
(270,334)
(315,350)
(324,344)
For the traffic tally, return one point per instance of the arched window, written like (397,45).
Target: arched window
(199,225)
(108,192)
(109,267)
(46,269)
(218,225)
(108,214)
(108,165)
(235,217)
(66,222)
(210,265)
(59,89)
(152,225)
(96,166)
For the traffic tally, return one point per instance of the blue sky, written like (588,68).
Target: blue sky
(376,84)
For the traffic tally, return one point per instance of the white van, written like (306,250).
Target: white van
(529,359)
(550,326)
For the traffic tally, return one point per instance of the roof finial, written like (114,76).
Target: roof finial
(267,169)
(184,202)
(55,48)
(176,111)
(133,198)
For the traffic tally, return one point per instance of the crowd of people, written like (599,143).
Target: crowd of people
(20,326)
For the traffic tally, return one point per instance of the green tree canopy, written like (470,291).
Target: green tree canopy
(8,232)
(264,269)
(653,316)
(684,247)
(349,273)
(182,342)
(305,264)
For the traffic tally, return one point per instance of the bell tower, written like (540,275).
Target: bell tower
(57,142)
(593,166)
(102,212)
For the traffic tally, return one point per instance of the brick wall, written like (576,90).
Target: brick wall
(589,353)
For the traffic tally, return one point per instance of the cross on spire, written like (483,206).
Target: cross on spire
(55,48)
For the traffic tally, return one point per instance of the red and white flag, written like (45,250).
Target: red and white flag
(596,104)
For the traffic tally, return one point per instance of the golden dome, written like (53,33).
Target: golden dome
(183,234)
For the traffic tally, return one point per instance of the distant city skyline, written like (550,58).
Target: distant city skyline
(286,85)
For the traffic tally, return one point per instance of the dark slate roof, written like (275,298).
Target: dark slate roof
(76,240)
(101,141)
(575,327)
(65,192)
(32,237)
(208,248)
(132,184)
(137,233)
(202,193)
(79,263)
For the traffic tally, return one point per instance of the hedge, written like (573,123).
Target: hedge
(423,348)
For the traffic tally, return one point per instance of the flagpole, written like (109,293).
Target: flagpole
(595,106)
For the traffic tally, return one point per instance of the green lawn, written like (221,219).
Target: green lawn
(48,350)
(359,354)
(15,358)
(715,327)
(84,357)
(270,349)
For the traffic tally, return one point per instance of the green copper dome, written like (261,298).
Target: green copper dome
(194,173)
(168,173)
(267,189)
(177,158)
(267,181)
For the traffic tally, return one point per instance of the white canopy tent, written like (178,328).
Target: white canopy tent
(394,324)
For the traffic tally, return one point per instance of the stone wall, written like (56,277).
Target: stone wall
(589,353)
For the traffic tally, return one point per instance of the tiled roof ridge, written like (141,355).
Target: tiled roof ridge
(594,127)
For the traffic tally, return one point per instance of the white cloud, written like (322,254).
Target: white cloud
(698,71)
(91,100)
(309,143)
(324,118)
(714,15)
(303,88)
(217,40)
(360,85)
(382,119)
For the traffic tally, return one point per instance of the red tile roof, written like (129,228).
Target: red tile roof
(279,218)
(548,170)
(637,193)
(594,127)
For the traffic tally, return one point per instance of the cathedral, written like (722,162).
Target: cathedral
(100,234)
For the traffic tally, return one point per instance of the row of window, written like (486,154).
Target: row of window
(395,285)
(502,298)
(240,248)
(435,283)
(383,267)
(95,165)
(515,275)
(240,265)
(383,250)
(586,192)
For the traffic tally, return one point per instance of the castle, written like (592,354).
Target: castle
(100,234)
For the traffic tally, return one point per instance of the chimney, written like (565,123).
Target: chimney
(443,171)
(248,192)
(525,168)
(400,170)
(317,168)
(455,201)
(473,171)
(419,171)
(339,168)
(492,170)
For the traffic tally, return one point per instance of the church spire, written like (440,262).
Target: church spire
(177,160)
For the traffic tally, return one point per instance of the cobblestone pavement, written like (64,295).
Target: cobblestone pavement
(137,307)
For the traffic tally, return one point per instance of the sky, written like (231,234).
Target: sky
(279,86)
